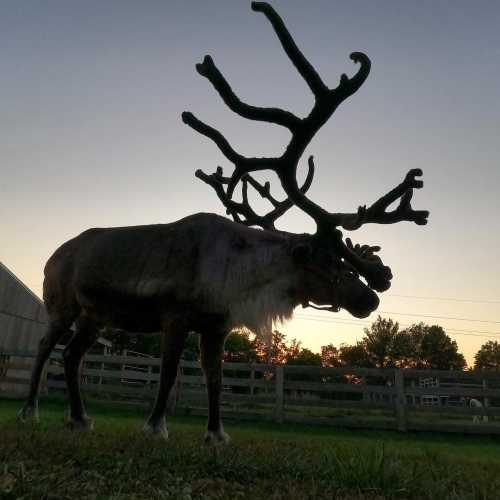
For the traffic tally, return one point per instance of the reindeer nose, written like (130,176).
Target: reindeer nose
(370,304)
(360,300)
(372,301)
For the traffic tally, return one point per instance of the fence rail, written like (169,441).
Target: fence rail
(400,399)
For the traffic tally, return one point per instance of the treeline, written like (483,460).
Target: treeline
(383,345)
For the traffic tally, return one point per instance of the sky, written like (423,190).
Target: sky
(91,95)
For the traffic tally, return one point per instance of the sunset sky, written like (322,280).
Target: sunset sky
(91,95)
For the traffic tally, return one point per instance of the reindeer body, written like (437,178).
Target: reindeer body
(203,273)
(134,278)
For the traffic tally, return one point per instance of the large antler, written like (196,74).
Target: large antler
(326,102)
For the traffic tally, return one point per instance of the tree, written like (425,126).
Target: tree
(240,348)
(293,350)
(440,351)
(375,349)
(488,357)
(383,345)
(276,353)
(304,357)
(379,342)
(355,355)
(330,356)
(406,350)
(434,348)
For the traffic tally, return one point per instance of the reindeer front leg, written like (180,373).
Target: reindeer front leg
(173,341)
(212,348)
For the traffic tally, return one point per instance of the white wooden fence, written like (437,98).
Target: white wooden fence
(371,398)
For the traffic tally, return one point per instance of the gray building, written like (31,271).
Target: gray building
(22,314)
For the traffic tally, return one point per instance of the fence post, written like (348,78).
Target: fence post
(400,399)
(279,388)
(252,378)
(486,400)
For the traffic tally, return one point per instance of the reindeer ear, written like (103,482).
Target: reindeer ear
(301,253)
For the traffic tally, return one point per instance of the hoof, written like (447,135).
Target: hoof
(86,424)
(214,438)
(158,430)
(28,413)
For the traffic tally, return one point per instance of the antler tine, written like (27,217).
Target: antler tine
(251,218)
(204,129)
(241,163)
(377,213)
(404,212)
(280,207)
(264,190)
(233,208)
(349,86)
(209,70)
(304,67)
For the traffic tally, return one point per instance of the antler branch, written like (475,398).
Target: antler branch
(215,135)
(218,181)
(349,86)
(304,67)
(209,70)
(242,164)
(236,209)
(404,212)
(377,212)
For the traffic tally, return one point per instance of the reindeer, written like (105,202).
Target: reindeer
(208,274)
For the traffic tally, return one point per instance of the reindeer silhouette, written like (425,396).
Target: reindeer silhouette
(208,274)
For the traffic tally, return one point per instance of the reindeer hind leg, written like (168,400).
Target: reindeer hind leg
(58,326)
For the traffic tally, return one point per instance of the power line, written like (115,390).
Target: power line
(491,335)
(450,299)
(348,322)
(441,317)
(367,323)
(357,321)
(476,320)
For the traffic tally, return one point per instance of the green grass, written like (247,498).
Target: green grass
(264,461)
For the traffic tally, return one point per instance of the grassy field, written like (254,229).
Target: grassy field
(264,461)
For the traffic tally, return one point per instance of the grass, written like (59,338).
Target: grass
(264,461)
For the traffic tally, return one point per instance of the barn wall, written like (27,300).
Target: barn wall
(22,314)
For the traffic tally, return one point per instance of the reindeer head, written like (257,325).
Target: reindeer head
(328,283)
(339,265)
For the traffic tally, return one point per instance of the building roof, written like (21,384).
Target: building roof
(4,268)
